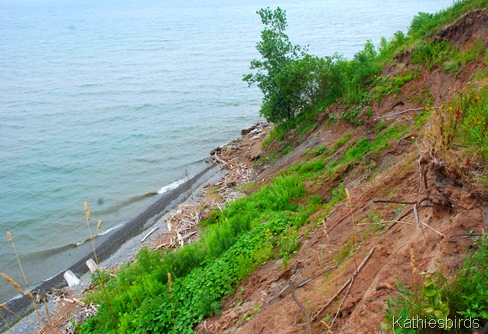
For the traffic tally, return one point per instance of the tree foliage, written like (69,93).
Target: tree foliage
(286,75)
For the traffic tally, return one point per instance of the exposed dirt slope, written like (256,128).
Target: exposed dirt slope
(434,241)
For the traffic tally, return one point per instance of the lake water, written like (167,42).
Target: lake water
(111,101)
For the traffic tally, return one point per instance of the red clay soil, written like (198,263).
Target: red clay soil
(434,238)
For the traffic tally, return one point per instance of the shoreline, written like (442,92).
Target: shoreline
(111,248)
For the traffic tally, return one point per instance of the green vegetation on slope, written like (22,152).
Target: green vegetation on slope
(235,241)
(171,291)
(295,84)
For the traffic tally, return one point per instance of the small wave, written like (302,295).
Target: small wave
(48,252)
(109,230)
(172,185)
(81,242)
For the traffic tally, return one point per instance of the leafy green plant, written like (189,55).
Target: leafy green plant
(445,302)
(287,244)
(289,78)
(276,66)
(387,85)
(474,124)
(376,223)
(320,149)
(434,305)
(469,291)
(432,54)
(458,133)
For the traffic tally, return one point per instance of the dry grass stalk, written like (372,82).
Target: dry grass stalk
(87,218)
(170,282)
(11,241)
(46,309)
(351,212)
(13,283)
(412,262)
(6,309)
(102,283)
(16,285)
(3,307)
(325,229)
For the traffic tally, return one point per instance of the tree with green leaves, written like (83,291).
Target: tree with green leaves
(291,80)
(277,74)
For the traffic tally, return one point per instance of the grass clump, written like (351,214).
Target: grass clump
(387,85)
(365,148)
(346,251)
(316,151)
(340,142)
(441,54)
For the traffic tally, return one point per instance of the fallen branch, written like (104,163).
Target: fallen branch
(73,301)
(286,290)
(433,229)
(186,236)
(342,302)
(220,161)
(392,201)
(402,112)
(466,235)
(149,233)
(304,311)
(398,220)
(415,213)
(348,282)
(314,277)
(417,221)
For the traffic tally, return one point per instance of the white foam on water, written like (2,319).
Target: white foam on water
(172,185)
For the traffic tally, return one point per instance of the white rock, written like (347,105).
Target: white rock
(92,265)
(71,278)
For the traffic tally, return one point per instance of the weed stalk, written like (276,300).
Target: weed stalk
(17,286)
(102,283)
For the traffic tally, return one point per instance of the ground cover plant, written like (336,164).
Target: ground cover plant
(456,306)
